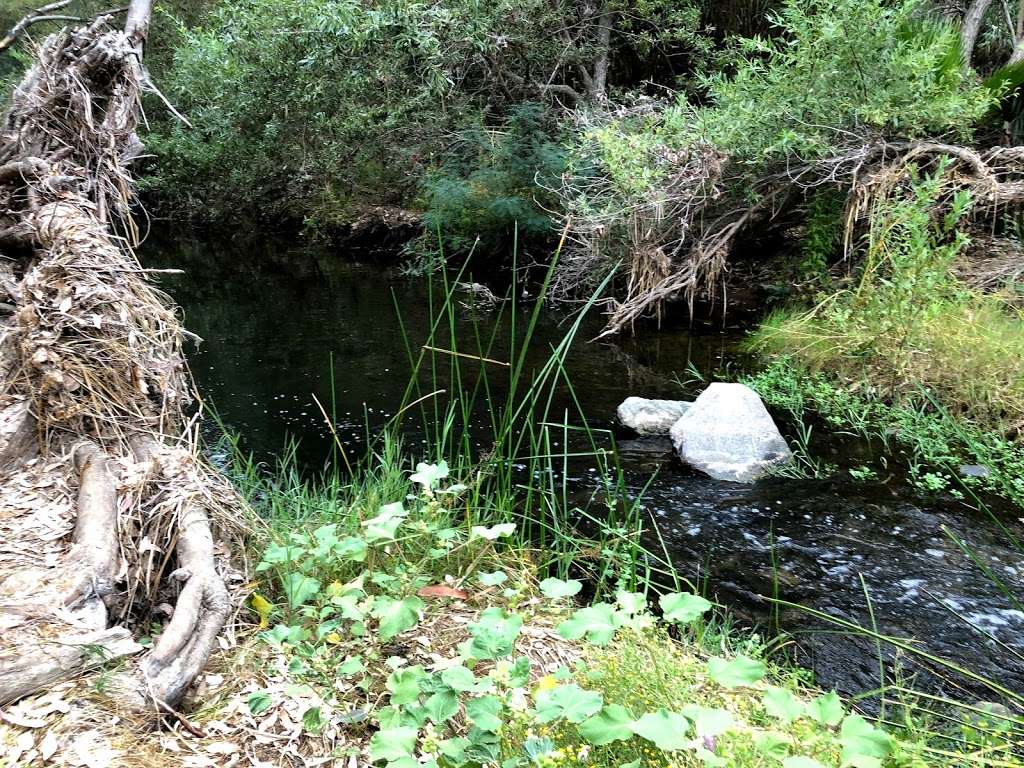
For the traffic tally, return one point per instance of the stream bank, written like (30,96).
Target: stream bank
(273,322)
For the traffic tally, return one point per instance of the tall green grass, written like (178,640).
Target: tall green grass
(524,411)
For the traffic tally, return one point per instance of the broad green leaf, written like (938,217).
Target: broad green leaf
(392,744)
(799,761)
(259,703)
(536,748)
(442,706)
(667,730)
(459,679)
(492,533)
(861,739)
(494,634)
(733,673)
(519,673)
(556,588)
(597,622)
(351,666)
(780,703)
(708,721)
(772,744)
(428,475)
(312,720)
(484,747)
(863,761)
(827,709)
(492,579)
(631,602)
(384,526)
(396,616)
(612,723)
(283,633)
(300,589)
(567,701)
(484,712)
(683,607)
(276,554)
(351,548)
(404,684)
(455,749)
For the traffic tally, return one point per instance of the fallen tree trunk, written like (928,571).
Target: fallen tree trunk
(94,393)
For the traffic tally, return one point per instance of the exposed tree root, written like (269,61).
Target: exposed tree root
(94,393)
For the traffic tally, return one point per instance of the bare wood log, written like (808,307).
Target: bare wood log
(61,659)
(96,538)
(99,357)
(184,647)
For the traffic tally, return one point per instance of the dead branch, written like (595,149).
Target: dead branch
(678,239)
(44,13)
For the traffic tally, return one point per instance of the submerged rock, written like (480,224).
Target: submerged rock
(646,453)
(651,417)
(729,434)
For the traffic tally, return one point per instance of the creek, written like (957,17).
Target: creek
(276,319)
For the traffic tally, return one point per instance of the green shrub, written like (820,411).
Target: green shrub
(909,324)
(838,66)
(493,185)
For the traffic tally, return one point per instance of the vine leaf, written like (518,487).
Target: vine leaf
(567,701)
(556,588)
(683,607)
(392,744)
(667,730)
(597,622)
(612,723)
(396,616)
(707,721)
(734,673)
(442,706)
(860,739)
(484,712)
(780,703)
(827,709)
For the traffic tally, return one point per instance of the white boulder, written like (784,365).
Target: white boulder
(651,417)
(728,434)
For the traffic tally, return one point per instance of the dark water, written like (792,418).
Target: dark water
(276,322)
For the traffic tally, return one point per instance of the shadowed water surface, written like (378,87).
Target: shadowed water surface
(277,323)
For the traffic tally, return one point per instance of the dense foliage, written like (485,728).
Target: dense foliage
(316,109)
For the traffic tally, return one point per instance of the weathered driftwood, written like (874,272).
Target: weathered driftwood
(93,393)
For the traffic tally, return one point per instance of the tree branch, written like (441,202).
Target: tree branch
(43,13)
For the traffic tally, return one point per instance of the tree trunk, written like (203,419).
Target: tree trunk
(599,81)
(971,26)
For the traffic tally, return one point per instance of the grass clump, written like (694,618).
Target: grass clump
(400,629)
(944,363)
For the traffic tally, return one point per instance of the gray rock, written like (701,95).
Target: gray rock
(975,470)
(729,434)
(651,417)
